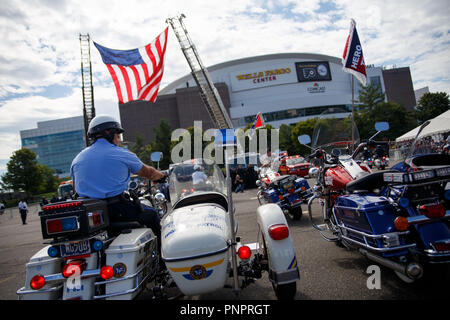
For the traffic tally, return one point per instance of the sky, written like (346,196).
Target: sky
(40,77)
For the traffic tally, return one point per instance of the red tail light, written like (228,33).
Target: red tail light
(75,267)
(279,232)
(442,246)
(432,210)
(72,204)
(106,272)
(244,253)
(401,223)
(37,282)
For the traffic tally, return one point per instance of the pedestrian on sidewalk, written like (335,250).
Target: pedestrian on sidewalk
(23,208)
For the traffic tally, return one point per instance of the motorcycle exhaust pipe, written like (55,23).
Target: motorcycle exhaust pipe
(412,270)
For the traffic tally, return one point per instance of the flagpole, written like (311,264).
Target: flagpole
(353,114)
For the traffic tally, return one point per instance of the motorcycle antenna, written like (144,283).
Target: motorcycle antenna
(411,150)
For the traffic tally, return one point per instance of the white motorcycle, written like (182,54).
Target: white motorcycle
(87,257)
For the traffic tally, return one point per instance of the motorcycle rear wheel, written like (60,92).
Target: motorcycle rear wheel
(282,291)
(295,213)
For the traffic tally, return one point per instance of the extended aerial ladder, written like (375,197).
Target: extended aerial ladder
(208,92)
(87,87)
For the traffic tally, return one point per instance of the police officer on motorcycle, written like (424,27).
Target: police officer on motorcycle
(102,171)
(379,152)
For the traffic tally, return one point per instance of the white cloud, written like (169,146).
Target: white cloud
(40,45)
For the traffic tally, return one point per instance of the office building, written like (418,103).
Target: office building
(56,142)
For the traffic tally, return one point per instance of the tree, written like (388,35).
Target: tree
(49,180)
(285,138)
(23,172)
(431,105)
(370,96)
(302,127)
(141,150)
(399,119)
(162,142)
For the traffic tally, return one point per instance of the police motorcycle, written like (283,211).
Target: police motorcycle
(354,213)
(419,189)
(150,192)
(368,160)
(199,243)
(381,162)
(287,191)
(158,193)
(87,257)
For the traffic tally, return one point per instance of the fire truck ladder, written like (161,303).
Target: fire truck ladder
(88,89)
(208,92)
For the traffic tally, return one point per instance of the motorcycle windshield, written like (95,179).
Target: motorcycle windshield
(334,130)
(194,177)
(421,145)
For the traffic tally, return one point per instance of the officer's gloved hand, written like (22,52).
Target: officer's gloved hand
(163,179)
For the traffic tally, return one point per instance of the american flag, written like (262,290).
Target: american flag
(353,60)
(136,73)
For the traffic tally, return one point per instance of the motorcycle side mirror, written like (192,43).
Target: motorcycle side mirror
(258,183)
(156,156)
(336,152)
(382,126)
(304,139)
(313,172)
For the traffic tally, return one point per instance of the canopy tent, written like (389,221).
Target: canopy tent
(440,124)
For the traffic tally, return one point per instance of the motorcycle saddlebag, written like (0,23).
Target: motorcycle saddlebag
(41,263)
(367,213)
(77,218)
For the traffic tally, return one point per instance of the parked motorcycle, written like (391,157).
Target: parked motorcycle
(381,163)
(287,191)
(419,189)
(354,213)
(199,242)
(88,257)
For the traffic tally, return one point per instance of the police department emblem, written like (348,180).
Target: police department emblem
(198,272)
(120,269)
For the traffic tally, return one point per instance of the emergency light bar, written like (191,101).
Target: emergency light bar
(417,176)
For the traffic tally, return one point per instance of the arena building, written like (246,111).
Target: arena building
(286,88)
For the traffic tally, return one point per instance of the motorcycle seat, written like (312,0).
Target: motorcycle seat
(367,183)
(117,228)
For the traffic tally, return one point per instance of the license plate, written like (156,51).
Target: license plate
(76,248)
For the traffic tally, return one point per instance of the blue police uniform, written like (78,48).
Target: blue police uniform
(102,171)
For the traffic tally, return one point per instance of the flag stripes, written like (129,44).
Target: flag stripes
(137,73)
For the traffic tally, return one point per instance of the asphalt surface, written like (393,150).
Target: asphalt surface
(327,272)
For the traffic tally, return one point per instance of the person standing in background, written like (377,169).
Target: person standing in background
(23,209)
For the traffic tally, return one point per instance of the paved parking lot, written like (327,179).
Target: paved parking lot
(328,272)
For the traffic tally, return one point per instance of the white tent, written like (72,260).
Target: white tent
(440,124)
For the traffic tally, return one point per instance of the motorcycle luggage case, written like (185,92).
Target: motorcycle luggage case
(74,219)
(195,247)
(129,255)
(368,213)
(41,263)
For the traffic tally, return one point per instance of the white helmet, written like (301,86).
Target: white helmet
(101,123)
